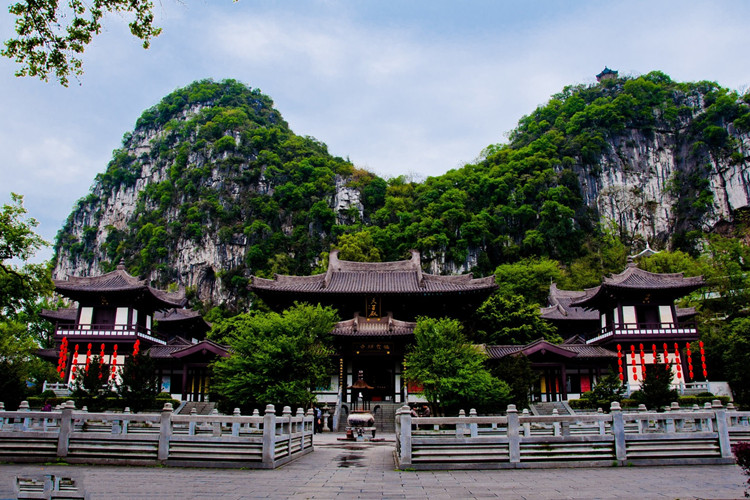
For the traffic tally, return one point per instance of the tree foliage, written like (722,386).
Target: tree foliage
(609,388)
(656,390)
(275,358)
(451,370)
(511,320)
(516,371)
(51,35)
(139,384)
(22,289)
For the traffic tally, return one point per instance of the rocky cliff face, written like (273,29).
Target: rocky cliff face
(635,186)
(197,186)
(212,187)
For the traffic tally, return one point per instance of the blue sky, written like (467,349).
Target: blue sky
(398,87)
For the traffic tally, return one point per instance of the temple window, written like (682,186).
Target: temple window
(665,314)
(85,320)
(121,317)
(628,316)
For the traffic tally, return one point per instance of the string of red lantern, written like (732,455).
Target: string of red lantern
(619,362)
(690,361)
(643,362)
(101,361)
(653,349)
(114,363)
(666,355)
(703,360)
(136,347)
(633,361)
(74,364)
(88,357)
(63,357)
(677,362)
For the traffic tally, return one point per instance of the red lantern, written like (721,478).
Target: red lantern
(74,363)
(136,347)
(643,361)
(101,361)
(114,363)
(88,357)
(619,361)
(690,361)
(703,360)
(653,349)
(635,365)
(666,355)
(677,362)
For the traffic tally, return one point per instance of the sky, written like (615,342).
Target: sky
(415,87)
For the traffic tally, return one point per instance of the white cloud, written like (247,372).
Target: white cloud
(419,87)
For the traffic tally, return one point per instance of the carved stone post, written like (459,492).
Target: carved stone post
(618,429)
(514,439)
(66,428)
(165,432)
(269,436)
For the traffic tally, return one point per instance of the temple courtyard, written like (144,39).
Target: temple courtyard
(341,469)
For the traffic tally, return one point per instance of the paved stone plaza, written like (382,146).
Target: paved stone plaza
(366,470)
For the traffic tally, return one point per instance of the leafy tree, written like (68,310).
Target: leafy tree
(275,358)
(358,247)
(139,384)
(451,370)
(516,371)
(21,288)
(510,319)
(609,388)
(91,388)
(656,391)
(50,36)
(736,359)
(529,278)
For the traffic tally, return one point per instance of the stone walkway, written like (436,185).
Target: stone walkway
(366,470)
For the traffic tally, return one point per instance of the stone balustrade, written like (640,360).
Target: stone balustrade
(521,440)
(78,436)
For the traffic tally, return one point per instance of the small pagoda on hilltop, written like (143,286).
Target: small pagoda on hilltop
(118,314)
(606,74)
(381,301)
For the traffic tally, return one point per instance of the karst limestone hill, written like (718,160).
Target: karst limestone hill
(212,187)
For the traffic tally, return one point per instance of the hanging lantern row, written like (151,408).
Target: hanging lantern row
(114,363)
(703,360)
(619,362)
(690,361)
(666,356)
(643,361)
(63,357)
(88,357)
(74,364)
(136,347)
(101,362)
(635,365)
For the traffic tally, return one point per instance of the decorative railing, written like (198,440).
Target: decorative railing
(165,438)
(625,331)
(697,436)
(113,332)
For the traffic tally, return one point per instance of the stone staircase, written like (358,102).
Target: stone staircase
(542,409)
(385,415)
(201,408)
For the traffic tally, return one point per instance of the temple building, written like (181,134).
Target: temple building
(114,311)
(606,74)
(629,323)
(380,302)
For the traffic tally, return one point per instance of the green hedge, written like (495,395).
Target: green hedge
(113,403)
(684,401)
